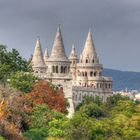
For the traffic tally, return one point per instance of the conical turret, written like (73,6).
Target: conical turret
(58,51)
(89,49)
(73,54)
(37,60)
(46,55)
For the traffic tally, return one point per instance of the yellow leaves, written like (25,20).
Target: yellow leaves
(135,121)
(2,109)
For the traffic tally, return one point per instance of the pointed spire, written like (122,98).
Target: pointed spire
(37,60)
(73,52)
(46,55)
(89,49)
(58,51)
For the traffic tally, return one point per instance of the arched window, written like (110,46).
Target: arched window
(61,69)
(53,69)
(65,69)
(105,85)
(85,73)
(86,61)
(93,61)
(100,85)
(95,73)
(56,69)
(91,73)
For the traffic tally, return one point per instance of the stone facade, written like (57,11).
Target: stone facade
(78,78)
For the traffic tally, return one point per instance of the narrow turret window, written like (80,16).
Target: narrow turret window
(91,73)
(53,69)
(95,73)
(61,69)
(56,69)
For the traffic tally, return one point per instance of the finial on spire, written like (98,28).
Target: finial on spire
(89,30)
(73,46)
(59,28)
(73,52)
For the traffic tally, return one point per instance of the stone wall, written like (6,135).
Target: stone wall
(78,93)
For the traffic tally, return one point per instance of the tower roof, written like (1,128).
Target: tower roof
(58,51)
(37,56)
(46,54)
(89,49)
(73,54)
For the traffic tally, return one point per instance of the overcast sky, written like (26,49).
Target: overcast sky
(115,25)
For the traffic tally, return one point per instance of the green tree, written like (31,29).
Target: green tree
(22,81)
(84,128)
(39,123)
(11,62)
(57,125)
(92,110)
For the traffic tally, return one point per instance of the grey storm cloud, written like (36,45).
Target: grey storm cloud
(115,26)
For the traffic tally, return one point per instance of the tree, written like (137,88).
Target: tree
(11,62)
(92,110)
(113,100)
(39,118)
(57,125)
(87,100)
(43,93)
(13,118)
(22,81)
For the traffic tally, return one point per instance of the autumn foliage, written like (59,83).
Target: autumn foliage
(16,107)
(43,93)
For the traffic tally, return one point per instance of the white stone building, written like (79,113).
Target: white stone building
(78,78)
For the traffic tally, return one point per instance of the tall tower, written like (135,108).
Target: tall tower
(88,69)
(73,58)
(38,63)
(58,63)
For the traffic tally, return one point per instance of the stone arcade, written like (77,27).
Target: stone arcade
(78,78)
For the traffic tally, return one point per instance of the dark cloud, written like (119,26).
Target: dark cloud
(115,24)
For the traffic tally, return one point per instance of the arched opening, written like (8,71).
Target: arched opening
(95,73)
(92,60)
(53,69)
(61,69)
(86,74)
(91,73)
(105,85)
(82,73)
(56,69)
(65,69)
(86,60)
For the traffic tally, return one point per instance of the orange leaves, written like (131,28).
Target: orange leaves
(43,93)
